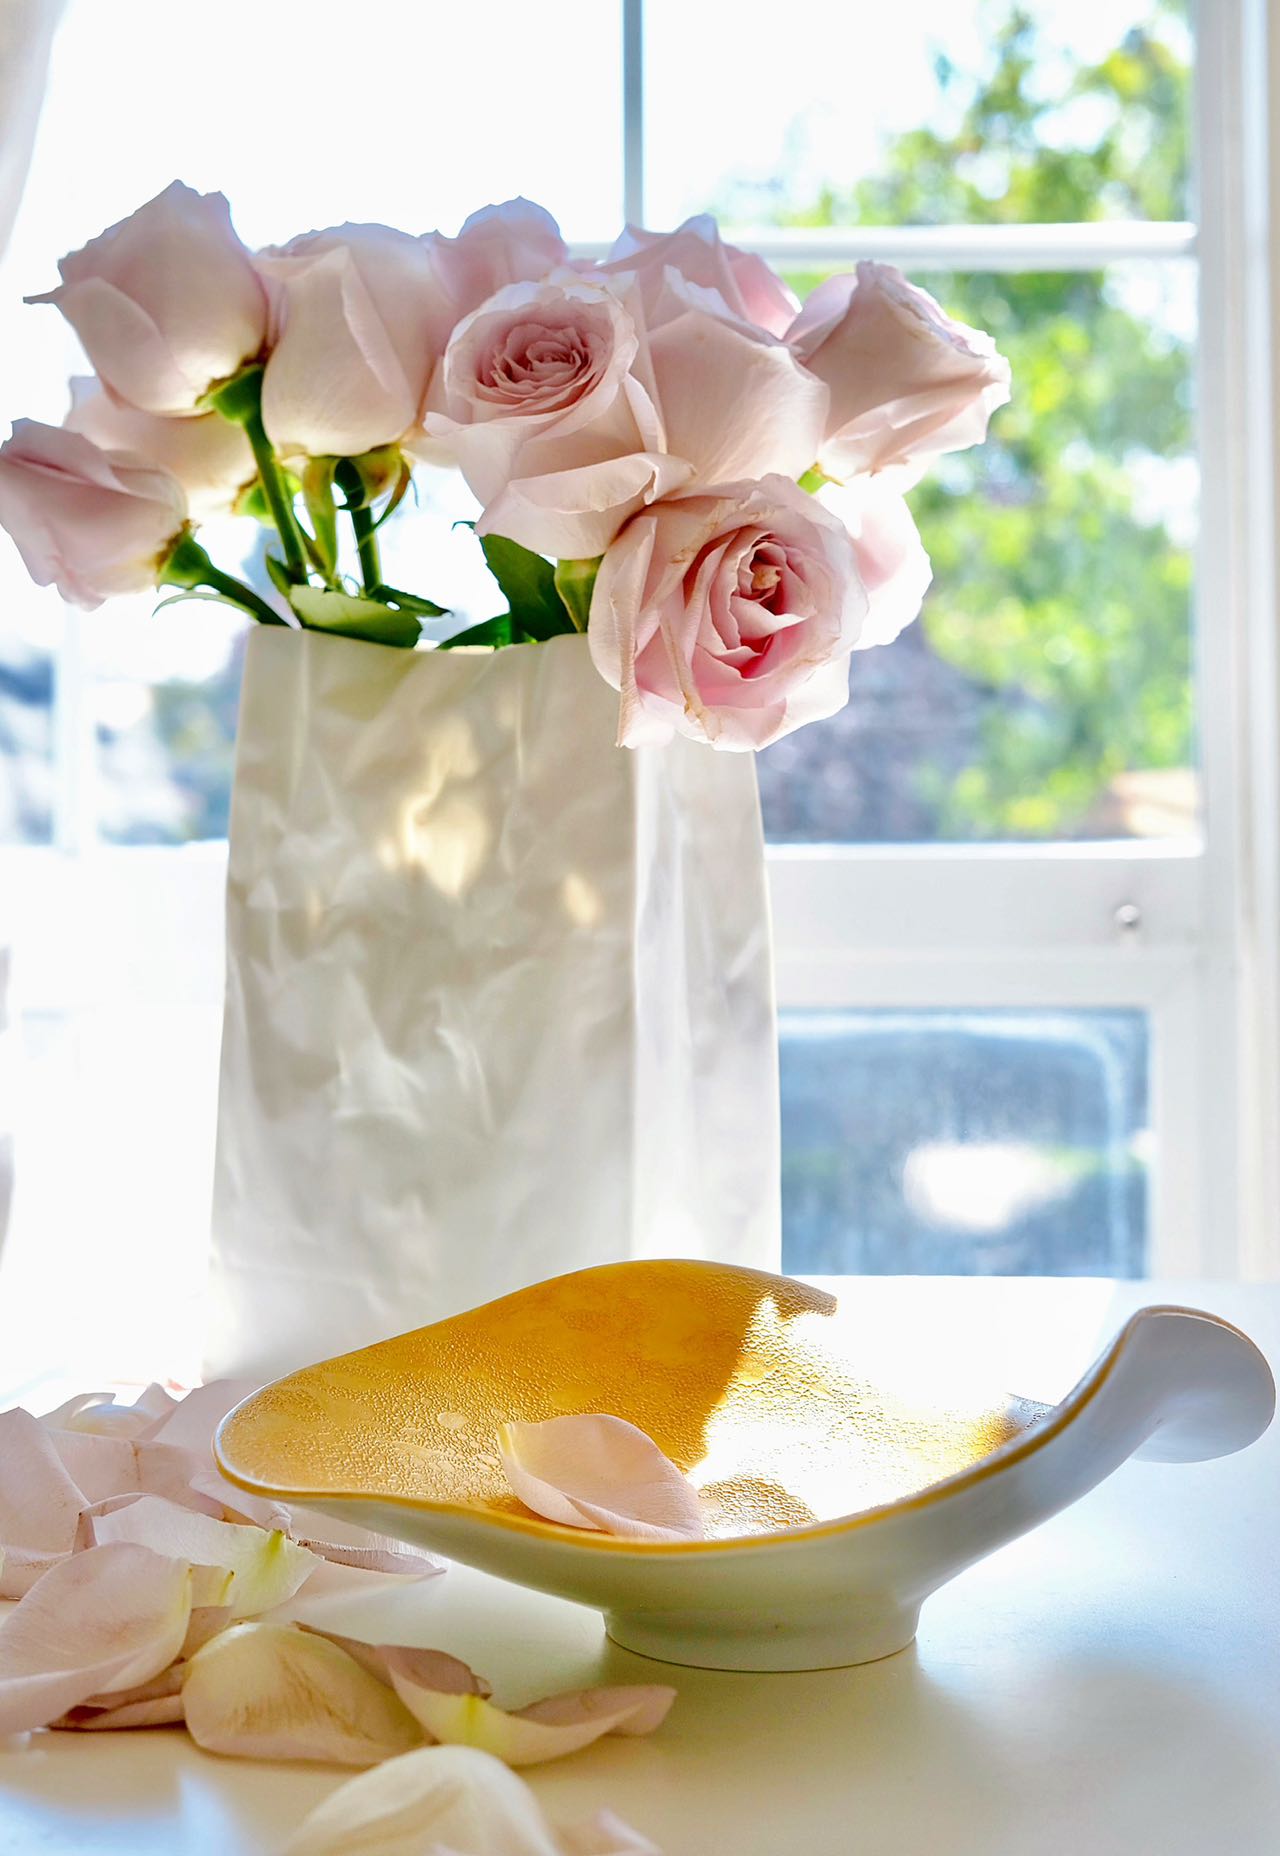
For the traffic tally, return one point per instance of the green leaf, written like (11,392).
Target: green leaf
(495,632)
(180,599)
(412,602)
(575,582)
(280,576)
(347,616)
(530,586)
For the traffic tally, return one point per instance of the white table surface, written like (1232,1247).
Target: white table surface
(1107,1686)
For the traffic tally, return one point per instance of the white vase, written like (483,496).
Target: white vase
(499,996)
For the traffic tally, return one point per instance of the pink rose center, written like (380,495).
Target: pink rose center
(758,595)
(539,366)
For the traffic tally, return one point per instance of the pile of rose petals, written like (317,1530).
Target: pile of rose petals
(592,1470)
(450,1801)
(149,1591)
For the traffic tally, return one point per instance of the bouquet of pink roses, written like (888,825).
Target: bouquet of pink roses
(672,455)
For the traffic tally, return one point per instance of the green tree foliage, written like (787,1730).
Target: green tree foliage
(1062,586)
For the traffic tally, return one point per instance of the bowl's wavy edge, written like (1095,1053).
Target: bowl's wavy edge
(1004,1456)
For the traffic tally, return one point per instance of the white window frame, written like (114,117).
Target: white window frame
(1188,933)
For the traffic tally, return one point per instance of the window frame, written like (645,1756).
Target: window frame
(858,926)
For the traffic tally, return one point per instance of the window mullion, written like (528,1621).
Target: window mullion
(633,112)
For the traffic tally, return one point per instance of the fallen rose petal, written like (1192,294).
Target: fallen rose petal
(592,1470)
(206,1622)
(149,1704)
(168,1682)
(438,1799)
(98,1413)
(104,1466)
(644,1707)
(164,1711)
(568,1722)
(236,1504)
(100,1621)
(266,1568)
(40,1502)
(191,1422)
(432,1668)
(402,1561)
(272,1691)
(21,1567)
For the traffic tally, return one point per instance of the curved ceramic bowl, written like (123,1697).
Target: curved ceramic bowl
(835,1506)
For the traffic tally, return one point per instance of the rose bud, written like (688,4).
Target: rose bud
(358,318)
(907,383)
(208,455)
(727,615)
(166,302)
(92,523)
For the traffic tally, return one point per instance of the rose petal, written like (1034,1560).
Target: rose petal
(238,1505)
(636,1708)
(98,1413)
(592,1470)
(103,1466)
(101,1621)
(430,1668)
(401,1561)
(191,1422)
(148,1704)
(164,1711)
(40,1502)
(575,514)
(272,1691)
(266,1568)
(550,1729)
(441,1798)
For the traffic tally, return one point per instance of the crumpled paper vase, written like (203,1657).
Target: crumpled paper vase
(499,996)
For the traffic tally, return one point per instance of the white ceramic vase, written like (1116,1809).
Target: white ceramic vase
(499,996)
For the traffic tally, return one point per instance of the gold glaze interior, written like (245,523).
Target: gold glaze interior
(736,1375)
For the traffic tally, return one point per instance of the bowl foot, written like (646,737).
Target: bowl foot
(727,1640)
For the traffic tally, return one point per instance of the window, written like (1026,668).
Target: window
(1025,882)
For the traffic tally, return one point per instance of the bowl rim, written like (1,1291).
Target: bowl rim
(1027,1443)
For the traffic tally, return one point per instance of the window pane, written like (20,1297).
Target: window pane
(1046,691)
(928,114)
(965,1143)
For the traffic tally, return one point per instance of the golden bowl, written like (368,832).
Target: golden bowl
(835,1505)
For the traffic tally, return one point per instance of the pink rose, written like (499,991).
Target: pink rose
(907,383)
(358,319)
(539,407)
(891,559)
(751,291)
(566,414)
(514,243)
(166,302)
(93,523)
(727,615)
(208,455)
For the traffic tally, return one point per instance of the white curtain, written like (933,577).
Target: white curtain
(26,35)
